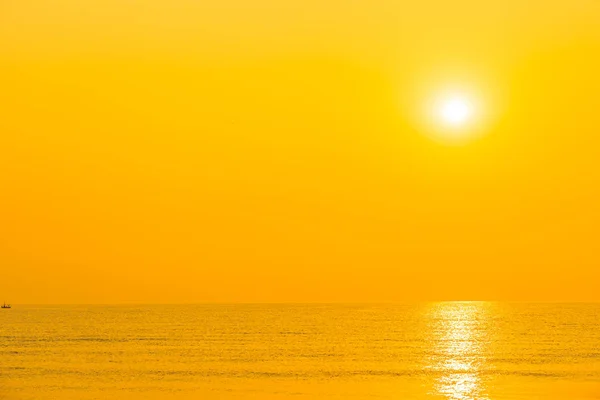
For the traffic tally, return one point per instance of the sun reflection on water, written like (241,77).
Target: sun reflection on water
(459,340)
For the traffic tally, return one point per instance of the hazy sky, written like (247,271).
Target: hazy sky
(274,150)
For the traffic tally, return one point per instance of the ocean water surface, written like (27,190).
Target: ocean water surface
(456,350)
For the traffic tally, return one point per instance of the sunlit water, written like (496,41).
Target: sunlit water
(418,351)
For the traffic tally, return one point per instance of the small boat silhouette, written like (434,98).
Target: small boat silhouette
(5,305)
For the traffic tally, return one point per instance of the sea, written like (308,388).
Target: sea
(447,350)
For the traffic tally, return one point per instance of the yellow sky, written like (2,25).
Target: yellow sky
(267,150)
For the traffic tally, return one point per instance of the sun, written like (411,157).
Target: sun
(453,111)
(456,111)
(454,116)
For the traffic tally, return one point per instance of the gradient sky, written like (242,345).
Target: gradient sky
(269,150)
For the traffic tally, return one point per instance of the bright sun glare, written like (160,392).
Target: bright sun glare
(455,111)
(454,116)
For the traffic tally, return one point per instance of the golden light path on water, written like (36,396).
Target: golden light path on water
(460,339)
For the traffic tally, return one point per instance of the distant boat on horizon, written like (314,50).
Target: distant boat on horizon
(5,305)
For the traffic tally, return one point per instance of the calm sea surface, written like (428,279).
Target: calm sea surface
(412,351)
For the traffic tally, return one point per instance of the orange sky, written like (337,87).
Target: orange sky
(249,151)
